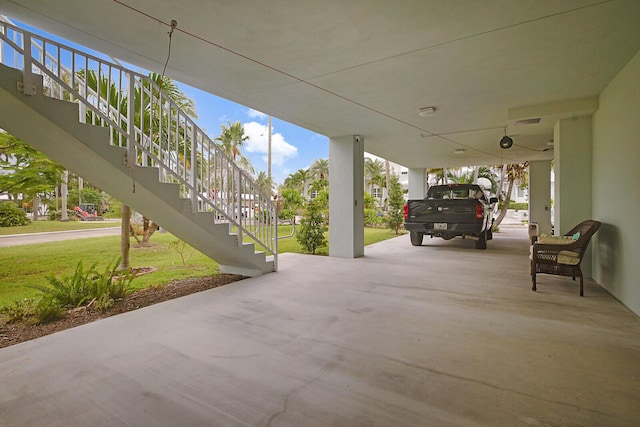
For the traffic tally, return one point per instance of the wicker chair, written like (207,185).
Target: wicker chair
(563,255)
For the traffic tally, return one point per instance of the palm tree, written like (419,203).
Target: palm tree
(265,183)
(145,112)
(372,170)
(320,169)
(298,181)
(439,174)
(515,173)
(231,139)
(380,181)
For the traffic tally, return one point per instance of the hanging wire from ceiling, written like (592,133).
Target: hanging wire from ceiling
(298,79)
(174,25)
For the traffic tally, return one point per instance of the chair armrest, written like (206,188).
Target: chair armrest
(555,247)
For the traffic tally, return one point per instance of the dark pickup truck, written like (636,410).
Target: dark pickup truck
(449,211)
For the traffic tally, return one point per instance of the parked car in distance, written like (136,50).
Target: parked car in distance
(452,210)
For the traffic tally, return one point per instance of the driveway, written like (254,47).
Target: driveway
(31,238)
(438,335)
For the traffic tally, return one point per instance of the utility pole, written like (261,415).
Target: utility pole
(269,154)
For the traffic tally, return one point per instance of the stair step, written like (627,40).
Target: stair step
(52,127)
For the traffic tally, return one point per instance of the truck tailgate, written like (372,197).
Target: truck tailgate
(442,211)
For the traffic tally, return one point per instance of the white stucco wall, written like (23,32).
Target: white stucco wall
(616,182)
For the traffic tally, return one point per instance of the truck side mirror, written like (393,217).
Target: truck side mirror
(493,200)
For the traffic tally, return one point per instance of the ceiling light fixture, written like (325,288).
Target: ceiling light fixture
(427,111)
(459,150)
(506,141)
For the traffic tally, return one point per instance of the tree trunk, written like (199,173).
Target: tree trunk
(36,208)
(148,228)
(502,174)
(124,238)
(80,187)
(64,192)
(505,205)
(387,171)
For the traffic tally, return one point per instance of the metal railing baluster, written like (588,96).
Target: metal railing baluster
(175,144)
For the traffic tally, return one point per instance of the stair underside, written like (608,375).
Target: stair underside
(52,127)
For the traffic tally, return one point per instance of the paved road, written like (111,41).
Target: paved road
(32,238)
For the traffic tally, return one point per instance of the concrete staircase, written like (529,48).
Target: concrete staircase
(52,126)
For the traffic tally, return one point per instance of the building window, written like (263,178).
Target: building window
(377,193)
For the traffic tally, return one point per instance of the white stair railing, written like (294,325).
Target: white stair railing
(152,127)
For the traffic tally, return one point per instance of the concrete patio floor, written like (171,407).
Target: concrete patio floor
(438,335)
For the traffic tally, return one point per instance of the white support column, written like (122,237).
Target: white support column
(346,199)
(540,195)
(417,188)
(572,171)
(572,199)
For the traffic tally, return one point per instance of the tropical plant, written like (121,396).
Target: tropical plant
(265,183)
(147,114)
(292,202)
(373,173)
(86,286)
(299,181)
(231,140)
(48,309)
(320,169)
(470,176)
(394,216)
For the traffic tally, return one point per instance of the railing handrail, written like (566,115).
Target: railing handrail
(159,134)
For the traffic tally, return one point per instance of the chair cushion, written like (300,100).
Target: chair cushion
(555,240)
(568,258)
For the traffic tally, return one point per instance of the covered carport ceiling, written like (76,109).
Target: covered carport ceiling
(366,67)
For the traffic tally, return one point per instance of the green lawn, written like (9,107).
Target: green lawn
(27,265)
(371,235)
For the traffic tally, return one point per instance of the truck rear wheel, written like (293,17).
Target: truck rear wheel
(481,243)
(416,238)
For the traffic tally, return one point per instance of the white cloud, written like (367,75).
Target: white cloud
(258,142)
(255,114)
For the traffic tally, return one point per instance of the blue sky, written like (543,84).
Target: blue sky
(293,147)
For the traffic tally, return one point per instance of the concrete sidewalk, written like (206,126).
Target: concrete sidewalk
(55,236)
(438,335)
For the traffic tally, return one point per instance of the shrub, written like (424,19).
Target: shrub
(371,218)
(519,206)
(311,234)
(395,218)
(54,215)
(12,216)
